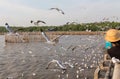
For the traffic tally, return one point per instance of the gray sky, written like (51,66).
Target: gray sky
(21,12)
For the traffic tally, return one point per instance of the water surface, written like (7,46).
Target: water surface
(29,60)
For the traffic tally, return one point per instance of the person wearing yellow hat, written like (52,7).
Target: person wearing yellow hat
(113,36)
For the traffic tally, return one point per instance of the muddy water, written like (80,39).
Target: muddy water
(29,60)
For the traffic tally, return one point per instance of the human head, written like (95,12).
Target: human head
(112,35)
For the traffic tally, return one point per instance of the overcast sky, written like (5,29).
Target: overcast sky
(21,12)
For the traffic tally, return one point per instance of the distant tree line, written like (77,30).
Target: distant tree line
(96,26)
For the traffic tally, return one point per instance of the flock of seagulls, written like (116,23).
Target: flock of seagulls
(89,59)
(39,21)
(88,56)
(84,62)
(48,40)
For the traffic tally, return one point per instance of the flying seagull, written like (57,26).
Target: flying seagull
(59,10)
(37,23)
(57,62)
(8,28)
(53,41)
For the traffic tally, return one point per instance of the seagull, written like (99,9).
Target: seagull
(68,23)
(53,41)
(8,28)
(58,62)
(59,10)
(37,23)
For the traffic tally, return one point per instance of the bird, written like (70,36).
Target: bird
(8,28)
(59,10)
(38,21)
(57,62)
(53,41)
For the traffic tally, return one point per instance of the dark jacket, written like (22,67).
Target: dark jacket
(114,52)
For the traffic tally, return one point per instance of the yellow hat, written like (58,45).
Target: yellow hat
(112,35)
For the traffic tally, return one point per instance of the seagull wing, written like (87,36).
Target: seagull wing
(59,10)
(8,28)
(56,61)
(60,65)
(45,36)
(56,38)
(41,21)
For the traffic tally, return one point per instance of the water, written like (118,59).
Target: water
(29,60)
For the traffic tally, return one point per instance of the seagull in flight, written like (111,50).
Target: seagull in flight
(8,28)
(53,41)
(37,23)
(57,62)
(59,10)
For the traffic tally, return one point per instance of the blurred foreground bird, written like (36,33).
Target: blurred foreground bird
(59,10)
(37,23)
(53,41)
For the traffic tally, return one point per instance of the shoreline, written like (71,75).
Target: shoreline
(62,33)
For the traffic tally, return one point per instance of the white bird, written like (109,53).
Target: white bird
(58,62)
(8,28)
(59,10)
(53,41)
(37,23)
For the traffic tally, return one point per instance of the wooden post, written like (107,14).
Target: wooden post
(116,72)
(108,75)
(96,73)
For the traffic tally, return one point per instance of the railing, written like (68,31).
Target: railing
(104,69)
(111,71)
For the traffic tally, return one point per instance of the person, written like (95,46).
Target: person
(113,38)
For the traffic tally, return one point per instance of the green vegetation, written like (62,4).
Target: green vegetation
(97,26)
